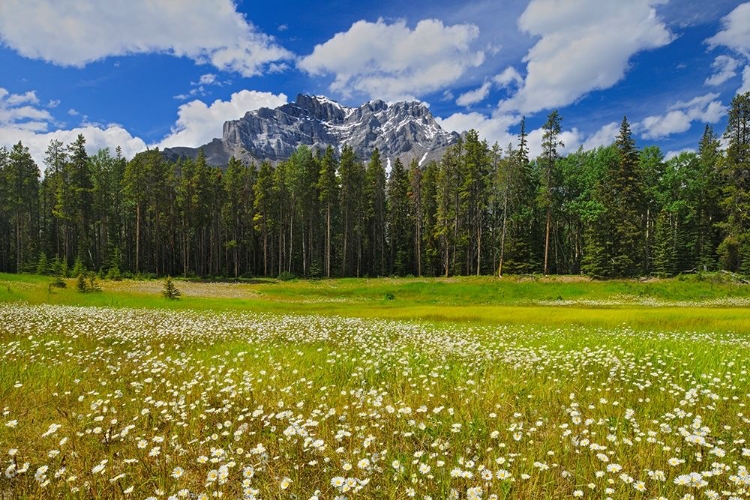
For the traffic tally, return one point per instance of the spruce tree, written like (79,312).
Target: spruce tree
(328,193)
(550,178)
(709,213)
(398,220)
(736,177)
(170,291)
(615,241)
(665,255)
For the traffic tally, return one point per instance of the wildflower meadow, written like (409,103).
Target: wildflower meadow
(159,403)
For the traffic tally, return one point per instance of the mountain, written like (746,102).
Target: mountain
(405,130)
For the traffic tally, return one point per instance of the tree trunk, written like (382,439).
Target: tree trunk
(502,236)
(546,242)
(328,241)
(137,236)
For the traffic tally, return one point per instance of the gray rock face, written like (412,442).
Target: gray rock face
(405,130)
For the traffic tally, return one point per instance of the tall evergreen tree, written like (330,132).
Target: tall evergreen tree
(82,185)
(708,196)
(375,197)
(328,189)
(616,241)
(736,194)
(473,198)
(398,220)
(351,208)
(19,195)
(430,237)
(263,219)
(447,210)
(416,213)
(518,256)
(550,178)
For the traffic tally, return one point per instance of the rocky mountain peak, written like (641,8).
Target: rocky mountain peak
(404,130)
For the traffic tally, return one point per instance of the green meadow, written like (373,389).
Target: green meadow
(459,388)
(714,302)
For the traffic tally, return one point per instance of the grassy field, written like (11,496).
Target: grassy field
(392,388)
(712,303)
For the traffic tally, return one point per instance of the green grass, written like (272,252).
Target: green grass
(701,303)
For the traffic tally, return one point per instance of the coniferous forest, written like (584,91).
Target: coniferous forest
(616,211)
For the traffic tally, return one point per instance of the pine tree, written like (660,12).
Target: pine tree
(82,186)
(170,291)
(615,241)
(328,189)
(416,213)
(375,214)
(42,266)
(447,210)
(708,195)
(20,203)
(263,204)
(351,205)
(474,165)
(550,182)
(517,255)
(430,240)
(665,256)
(398,220)
(81,285)
(736,177)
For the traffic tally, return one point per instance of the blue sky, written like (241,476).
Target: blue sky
(138,73)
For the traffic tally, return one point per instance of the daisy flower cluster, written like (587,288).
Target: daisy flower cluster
(126,403)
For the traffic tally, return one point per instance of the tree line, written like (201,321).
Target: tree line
(613,211)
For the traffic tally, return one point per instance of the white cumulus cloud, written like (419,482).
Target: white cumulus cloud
(674,154)
(509,76)
(725,67)
(474,96)
(735,32)
(680,116)
(21,119)
(393,61)
(583,45)
(493,129)
(199,123)
(605,136)
(745,80)
(77,32)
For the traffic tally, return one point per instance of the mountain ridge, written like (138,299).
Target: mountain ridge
(403,130)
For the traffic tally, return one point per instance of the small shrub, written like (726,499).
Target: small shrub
(86,282)
(390,296)
(316,271)
(114,274)
(93,286)
(81,284)
(170,291)
(58,282)
(78,268)
(42,266)
(286,276)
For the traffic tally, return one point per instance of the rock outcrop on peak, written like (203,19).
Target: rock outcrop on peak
(404,130)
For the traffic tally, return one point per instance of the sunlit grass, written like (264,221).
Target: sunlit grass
(694,303)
